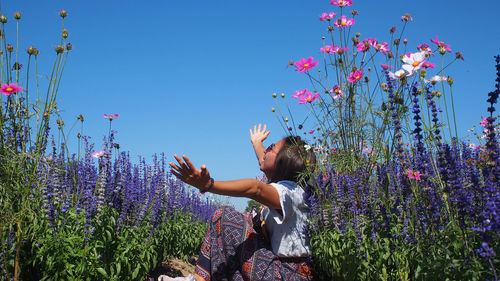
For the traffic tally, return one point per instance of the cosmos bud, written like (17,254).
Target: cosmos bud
(396,41)
(274,95)
(116,145)
(69,47)
(423,73)
(300,127)
(59,49)
(63,13)
(3,19)
(358,34)
(392,30)
(354,12)
(390,55)
(10,48)
(17,15)
(290,62)
(459,55)
(79,135)
(405,41)
(65,33)
(282,95)
(273,109)
(450,81)
(330,28)
(30,50)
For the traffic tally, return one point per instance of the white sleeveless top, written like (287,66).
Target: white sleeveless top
(286,232)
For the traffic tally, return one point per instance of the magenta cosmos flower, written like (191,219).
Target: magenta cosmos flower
(327,16)
(386,66)
(343,22)
(111,116)
(305,64)
(355,76)
(381,47)
(8,89)
(98,154)
(341,3)
(441,44)
(337,91)
(305,96)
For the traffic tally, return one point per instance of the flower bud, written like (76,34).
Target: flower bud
(405,41)
(69,47)
(30,50)
(286,118)
(300,127)
(396,41)
(59,49)
(459,55)
(392,30)
(358,34)
(10,48)
(58,122)
(116,145)
(274,95)
(17,15)
(423,73)
(290,63)
(3,19)
(273,109)
(80,117)
(355,40)
(390,55)
(330,28)
(354,12)
(65,33)
(450,81)
(354,68)
(79,135)
(442,50)
(367,79)
(63,13)
(36,52)
(323,37)
(282,95)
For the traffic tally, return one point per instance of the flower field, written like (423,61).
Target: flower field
(397,194)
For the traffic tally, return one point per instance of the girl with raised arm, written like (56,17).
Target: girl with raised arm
(270,246)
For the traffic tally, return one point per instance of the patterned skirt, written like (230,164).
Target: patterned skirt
(233,250)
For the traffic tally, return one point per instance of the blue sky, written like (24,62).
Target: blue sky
(191,77)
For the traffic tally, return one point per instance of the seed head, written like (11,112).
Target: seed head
(17,15)
(69,47)
(63,13)
(3,19)
(65,33)
(59,49)
(10,48)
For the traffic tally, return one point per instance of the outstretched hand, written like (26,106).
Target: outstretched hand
(259,134)
(188,173)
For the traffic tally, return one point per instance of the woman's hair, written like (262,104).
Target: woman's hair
(293,160)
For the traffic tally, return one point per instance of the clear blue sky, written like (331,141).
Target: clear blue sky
(191,77)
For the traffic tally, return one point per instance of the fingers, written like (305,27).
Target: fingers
(204,171)
(188,162)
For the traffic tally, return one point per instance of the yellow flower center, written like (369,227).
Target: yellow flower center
(9,89)
(309,99)
(344,23)
(379,45)
(357,77)
(306,65)
(383,85)
(416,63)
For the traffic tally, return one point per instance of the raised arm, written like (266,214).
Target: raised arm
(257,136)
(200,178)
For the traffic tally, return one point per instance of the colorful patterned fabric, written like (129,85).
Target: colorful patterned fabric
(232,250)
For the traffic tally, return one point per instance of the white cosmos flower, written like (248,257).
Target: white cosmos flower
(413,61)
(398,74)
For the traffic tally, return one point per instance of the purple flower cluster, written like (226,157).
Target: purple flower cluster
(135,191)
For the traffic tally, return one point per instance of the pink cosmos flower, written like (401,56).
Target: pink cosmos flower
(299,93)
(424,48)
(303,65)
(341,3)
(355,76)
(8,89)
(484,122)
(337,91)
(311,132)
(428,65)
(441,44)
(327,16)
(111,116)
(307,97)
(385,66)
(343,22)
(363,46)
(327,49)
(414,175)
(382,47)
(98,154)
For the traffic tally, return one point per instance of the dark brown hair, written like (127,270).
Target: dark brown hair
(292,160)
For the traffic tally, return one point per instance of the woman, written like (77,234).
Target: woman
(271,246)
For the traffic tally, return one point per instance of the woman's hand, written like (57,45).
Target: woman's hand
(259,134)
(188,173)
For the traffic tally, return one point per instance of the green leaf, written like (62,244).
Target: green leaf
(102,271)
(118,268)
(136,272)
